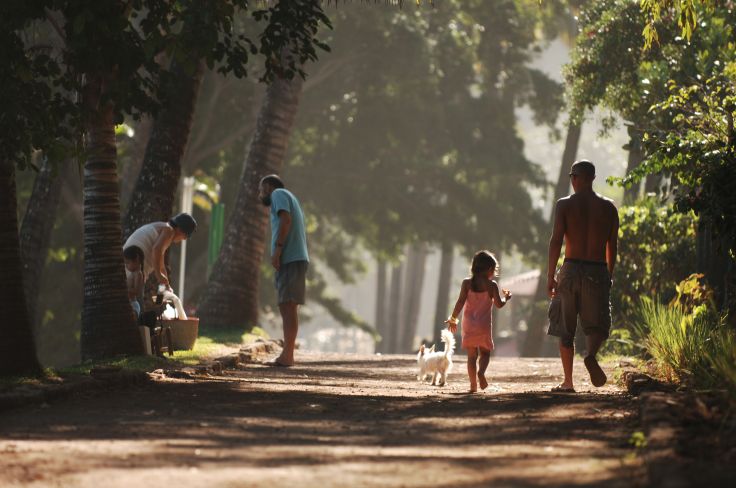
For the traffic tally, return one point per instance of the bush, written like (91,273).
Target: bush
(695,347)
(656,248)
(621,342)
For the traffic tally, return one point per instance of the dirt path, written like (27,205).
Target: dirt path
(334,420)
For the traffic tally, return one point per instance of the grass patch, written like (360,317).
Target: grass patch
(138,363)
(48,375)
(210,344)
(698,348)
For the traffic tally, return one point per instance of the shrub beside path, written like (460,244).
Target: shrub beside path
(332,420)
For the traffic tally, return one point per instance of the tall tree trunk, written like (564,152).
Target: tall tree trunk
(535,333)
(380,316)
(713,260)
(35,231)
(231,298)
(17,348)
(108,324)
(388,344)
(413,285)
(442,304)
(129,173)
(636,156)
(652,182)
(155,188)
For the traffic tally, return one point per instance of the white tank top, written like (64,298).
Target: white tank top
(144,238)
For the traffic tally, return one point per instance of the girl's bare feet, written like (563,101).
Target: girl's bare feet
(473,387)
(482,382)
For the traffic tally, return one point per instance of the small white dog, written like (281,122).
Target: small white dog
(439,363)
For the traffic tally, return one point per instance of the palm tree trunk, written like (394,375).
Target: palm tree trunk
(442,305)
(17,348)
(153,196)
(108,325)
(35,231)
(232,296)
(535,333)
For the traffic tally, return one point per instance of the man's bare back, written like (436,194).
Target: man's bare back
(589,222)
(588,225)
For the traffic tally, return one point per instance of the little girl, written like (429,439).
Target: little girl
(478,294)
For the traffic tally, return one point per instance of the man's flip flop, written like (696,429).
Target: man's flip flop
(597,376)
(563,389)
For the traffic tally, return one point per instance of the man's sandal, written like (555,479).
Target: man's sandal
(563,389)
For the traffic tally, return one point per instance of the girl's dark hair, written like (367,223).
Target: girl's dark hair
(134,252)
(483,262)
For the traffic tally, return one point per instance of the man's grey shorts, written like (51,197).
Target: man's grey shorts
(583,292)
(291,282)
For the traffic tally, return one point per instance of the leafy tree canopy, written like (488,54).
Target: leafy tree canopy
(416,139)
(125,42)
(680,93)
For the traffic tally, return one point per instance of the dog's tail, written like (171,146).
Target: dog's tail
(449,341)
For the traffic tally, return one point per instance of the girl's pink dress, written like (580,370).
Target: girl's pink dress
(477,325)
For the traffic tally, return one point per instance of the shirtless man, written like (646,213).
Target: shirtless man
(588,224)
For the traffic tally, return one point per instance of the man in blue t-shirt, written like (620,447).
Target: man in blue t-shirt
(289,257)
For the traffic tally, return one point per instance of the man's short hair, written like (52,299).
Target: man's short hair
(185,223)
(272,180)
(583,167)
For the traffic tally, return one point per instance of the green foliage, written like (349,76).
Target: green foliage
(699,150)
(680,96)
(656,248)
(695,347)
(621,342)
(684,11)
(289,39)
(693,292)
(51,48)
(36,112)
(605,65)
(448,160)
(638,439)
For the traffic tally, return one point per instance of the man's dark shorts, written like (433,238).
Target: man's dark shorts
(291,280)
(583,292)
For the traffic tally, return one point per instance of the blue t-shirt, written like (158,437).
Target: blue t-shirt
(295,246)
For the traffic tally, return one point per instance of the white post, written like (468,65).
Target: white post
(187,191)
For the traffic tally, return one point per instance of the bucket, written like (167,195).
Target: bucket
(183,332)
